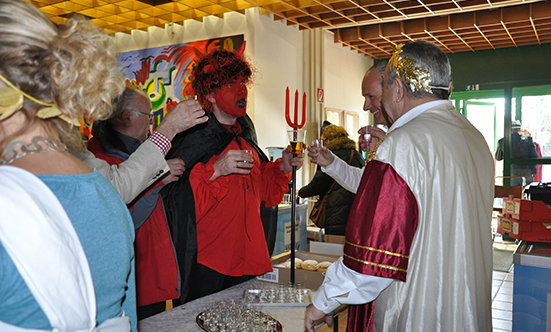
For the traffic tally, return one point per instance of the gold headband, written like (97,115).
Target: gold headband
(415,77)
(11,101)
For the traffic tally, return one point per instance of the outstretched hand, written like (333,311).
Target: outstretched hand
(184,115)
(320,156)
(369,137)
(288,161)
(312,315)
(233,161)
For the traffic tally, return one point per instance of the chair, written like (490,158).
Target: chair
(506,191)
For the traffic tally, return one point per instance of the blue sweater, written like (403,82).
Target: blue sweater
(105,229)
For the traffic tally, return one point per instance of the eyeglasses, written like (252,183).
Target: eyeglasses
(150,115)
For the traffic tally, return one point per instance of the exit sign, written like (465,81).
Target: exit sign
(320,96)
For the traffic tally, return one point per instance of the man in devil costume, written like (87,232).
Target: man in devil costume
(214,210)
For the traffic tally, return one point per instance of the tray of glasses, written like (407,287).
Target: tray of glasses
(282,296)
(236,317)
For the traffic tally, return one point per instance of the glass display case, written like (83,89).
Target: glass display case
(532,287)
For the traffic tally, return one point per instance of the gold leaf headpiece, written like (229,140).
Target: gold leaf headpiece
(416,78)
(11,101)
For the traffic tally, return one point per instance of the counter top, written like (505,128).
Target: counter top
(182,318)
(535,254)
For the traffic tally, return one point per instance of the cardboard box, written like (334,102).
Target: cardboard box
(318,234)
(522,209)
(326,248)
(536,231)
(309,279)
(340,239)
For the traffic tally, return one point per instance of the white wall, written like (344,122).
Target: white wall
(344,71)
(278,51)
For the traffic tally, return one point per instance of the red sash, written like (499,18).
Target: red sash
(381,224)
(360,318)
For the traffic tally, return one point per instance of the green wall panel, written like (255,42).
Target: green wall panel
(490,69)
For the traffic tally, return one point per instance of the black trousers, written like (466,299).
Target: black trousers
(205,281)
(154,308)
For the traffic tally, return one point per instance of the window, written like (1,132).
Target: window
(334,116)
(351,124)
(346,119)
(529,124)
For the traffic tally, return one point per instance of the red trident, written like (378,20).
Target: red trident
(295,125)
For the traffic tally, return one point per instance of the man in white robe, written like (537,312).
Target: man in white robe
(418,236)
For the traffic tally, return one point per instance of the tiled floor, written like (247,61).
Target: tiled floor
(502,300)
(502,304)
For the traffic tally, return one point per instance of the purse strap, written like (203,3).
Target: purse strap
(351,157)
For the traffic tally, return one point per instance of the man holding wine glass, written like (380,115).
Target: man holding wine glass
(399,247)
(216,204)
(349,177)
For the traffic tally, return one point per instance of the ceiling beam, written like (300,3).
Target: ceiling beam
(499,27)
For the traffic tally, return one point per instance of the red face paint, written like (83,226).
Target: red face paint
(232,98)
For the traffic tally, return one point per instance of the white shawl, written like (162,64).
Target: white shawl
(43,244)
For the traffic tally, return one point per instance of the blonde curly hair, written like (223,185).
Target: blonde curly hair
(72,66)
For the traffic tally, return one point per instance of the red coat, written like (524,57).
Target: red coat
(230,235)
(156,267)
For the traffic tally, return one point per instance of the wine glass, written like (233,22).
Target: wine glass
(296,140)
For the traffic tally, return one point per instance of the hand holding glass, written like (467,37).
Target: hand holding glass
(296,139)
(246,161)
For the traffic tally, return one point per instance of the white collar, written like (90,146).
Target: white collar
(416,111)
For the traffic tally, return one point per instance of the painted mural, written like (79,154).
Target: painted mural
(163,72)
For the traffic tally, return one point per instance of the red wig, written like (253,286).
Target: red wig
(216,69)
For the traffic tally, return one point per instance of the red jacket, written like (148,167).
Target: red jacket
(156,266)
(230,235)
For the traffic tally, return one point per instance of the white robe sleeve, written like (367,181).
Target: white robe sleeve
(340,280)
(347,176)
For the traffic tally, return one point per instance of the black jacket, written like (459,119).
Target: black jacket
(198,144)
(340,200)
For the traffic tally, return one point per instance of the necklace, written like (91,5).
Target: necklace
(38,144)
